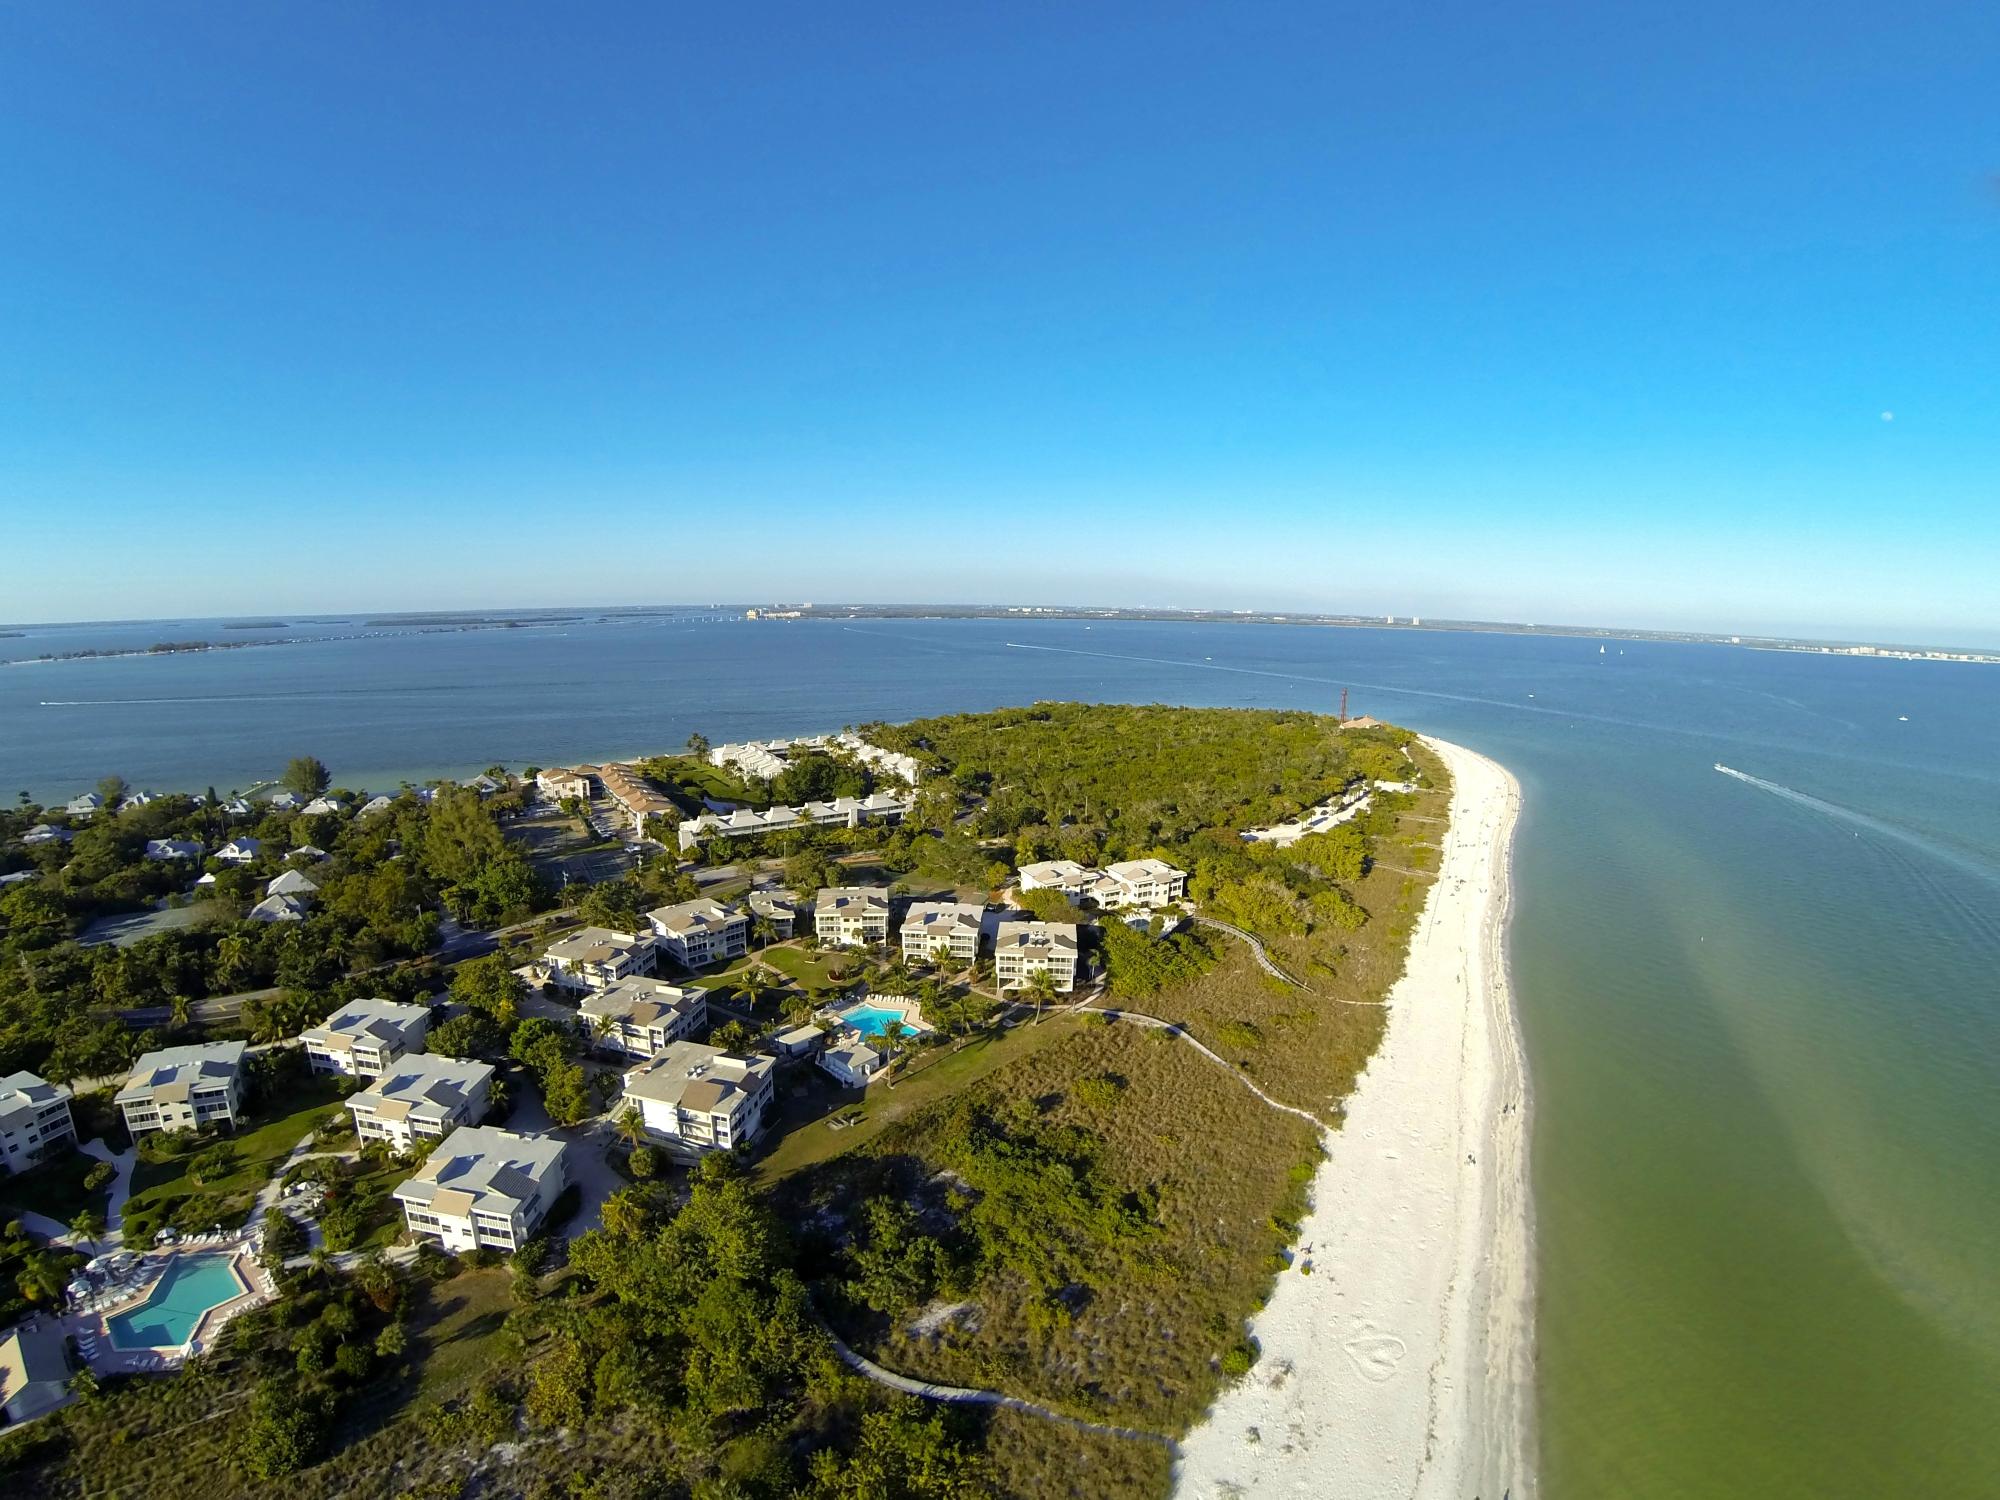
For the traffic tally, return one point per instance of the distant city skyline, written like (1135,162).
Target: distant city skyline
(1668,317)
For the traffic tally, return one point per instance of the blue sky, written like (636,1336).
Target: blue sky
(1572,313)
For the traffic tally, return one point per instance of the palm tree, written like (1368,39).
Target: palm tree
(1042,988)
(751,987)
(632,1127)
(181,1010)
(88,1226)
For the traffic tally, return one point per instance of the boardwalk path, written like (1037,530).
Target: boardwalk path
(961,1396)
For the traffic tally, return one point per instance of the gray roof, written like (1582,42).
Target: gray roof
(1035,937)
(189,1067)
(443,1084)
(854,897)
(941,917)
(677,1075)
(641,1001)
(699,915)
(383,1020)
(495,1170)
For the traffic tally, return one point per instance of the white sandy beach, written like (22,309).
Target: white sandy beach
(1403,1364)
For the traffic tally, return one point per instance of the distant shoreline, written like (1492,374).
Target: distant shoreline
(420,622)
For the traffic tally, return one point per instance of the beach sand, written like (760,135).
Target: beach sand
(1403,1365)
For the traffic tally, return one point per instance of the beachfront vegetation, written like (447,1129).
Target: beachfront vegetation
(1078,1209)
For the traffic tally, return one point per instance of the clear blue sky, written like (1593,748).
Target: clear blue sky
(1557,313)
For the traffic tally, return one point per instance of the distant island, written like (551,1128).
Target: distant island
(1898,651)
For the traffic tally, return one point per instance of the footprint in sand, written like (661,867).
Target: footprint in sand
(1375,1355)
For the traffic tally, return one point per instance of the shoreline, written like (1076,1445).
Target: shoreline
(1404,1363)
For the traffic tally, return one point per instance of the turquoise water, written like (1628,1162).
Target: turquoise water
(1762,1018)
(191,1286)
(872,1020)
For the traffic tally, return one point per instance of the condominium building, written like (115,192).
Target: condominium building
(421,1098)
(852,915)
(364,1036)
(638,796)
(597,958)
(184,1088)
(695,1099)
(35,1121)
(949,927)
(701,932)
(1064,875)
(1140,882)
(564,783)
(779,908)
(485,1189)
(1022,949)
(641,1017)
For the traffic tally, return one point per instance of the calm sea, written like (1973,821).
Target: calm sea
(1762,1017)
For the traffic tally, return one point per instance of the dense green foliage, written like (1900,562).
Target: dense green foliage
(372,908)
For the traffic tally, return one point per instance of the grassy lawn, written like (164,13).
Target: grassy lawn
(55,1188)
(163,1194)
(456,1325)
(812,971)
(804,1138)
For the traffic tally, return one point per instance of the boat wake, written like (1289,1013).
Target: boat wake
(1969,863)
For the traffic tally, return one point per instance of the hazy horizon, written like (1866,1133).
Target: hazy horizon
(1681,319)
(1402,619)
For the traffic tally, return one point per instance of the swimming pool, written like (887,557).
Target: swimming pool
(191,1286)
(873,1020)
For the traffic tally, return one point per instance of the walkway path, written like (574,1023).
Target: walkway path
(1177,1029)
(1256,951)
(962,1396)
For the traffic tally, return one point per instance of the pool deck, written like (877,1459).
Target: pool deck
(91,1328)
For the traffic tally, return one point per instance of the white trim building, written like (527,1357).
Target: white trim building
(35,1121)
(696,1099)
(852,915)
(1140,882)
(1022,948)
(701,932)
(421,1098)
(485,1189)
(950,925)
(597,958)
(363,1037)
(184,1088)
(1064,875)
(642,1017)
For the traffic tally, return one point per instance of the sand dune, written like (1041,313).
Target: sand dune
(1402,1365)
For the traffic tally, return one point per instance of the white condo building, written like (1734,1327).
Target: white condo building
(421,1099)
(852,915)
(701,932)
(642,1017)
(696,1099)
(597,958)
(485,1189)
(35,1121)
(363,1037)
(184,1088)
(950,926)
(1021,949)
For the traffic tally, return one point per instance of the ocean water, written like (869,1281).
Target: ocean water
(1762,1016)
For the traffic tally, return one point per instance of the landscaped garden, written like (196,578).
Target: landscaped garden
(190,1182)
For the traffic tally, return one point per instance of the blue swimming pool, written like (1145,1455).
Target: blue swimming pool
(191,1286)
(873,1020)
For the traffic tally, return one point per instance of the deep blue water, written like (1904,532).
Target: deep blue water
(1762,1017)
